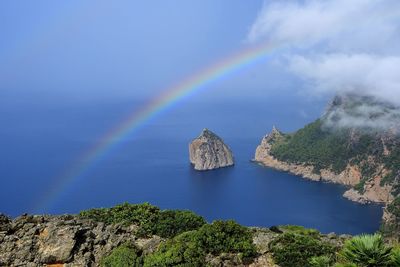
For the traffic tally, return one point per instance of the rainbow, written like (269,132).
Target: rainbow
(156,106)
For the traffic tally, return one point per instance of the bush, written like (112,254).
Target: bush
(394,208)
(173,222)
(366,251)
(180,251)
(226,236)
(301,230)
(345,265)
(320,261)
(123,256)
(395,257)
(149,218)
(190,248)
(124,213)
(296,250)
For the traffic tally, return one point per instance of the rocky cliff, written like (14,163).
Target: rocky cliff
(351,176)
(208,151)
(355,143)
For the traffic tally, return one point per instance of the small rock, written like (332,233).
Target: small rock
(208,152)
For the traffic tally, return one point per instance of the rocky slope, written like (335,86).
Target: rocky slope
(355,143)
(70,240)
(208,152)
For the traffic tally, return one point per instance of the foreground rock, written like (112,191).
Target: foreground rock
(63,241)
(69,240)
(208,152)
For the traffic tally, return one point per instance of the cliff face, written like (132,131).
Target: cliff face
(356,143)
(208,151)
(373,191)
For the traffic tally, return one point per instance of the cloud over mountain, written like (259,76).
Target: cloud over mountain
(337,46)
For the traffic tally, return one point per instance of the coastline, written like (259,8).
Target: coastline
(349,178)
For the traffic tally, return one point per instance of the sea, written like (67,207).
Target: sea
(44,140)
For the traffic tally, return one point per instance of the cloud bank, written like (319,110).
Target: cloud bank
(365,112)
(337,46)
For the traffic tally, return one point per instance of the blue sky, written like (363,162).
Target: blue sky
(86,49)
(83,50)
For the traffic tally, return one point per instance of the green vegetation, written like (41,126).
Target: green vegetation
(396,256)
(325,148)
(123,256)
(150,219)
(190,248)
(180,251)
(296,229)
(314,146)
(173,222)
(345,265)
(190,241)
(300,250)
(366,251)
(394,208)
(320,261)
(360,186)
(334,149)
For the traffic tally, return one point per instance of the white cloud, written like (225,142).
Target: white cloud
(337,45)
(344,25)
(359,73)
(362,112)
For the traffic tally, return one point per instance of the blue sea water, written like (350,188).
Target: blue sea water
(40,141)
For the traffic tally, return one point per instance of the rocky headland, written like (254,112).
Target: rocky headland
(350,176)
(364,155)
(208,152)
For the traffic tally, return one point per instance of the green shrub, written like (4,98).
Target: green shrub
(226,236)
(345,265)
(366,251)
(174,222)
(123,256)
(190,248)
(301,230)
(360,186)
(144,215)
(395,257)
(180,251)
(124,213)
(149,218)
(296,250)
(394,208)
(320,261)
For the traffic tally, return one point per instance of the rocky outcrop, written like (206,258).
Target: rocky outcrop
(69,240)
(373,192)
(208,152)
(351,176)
(63,241)
(356,142)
